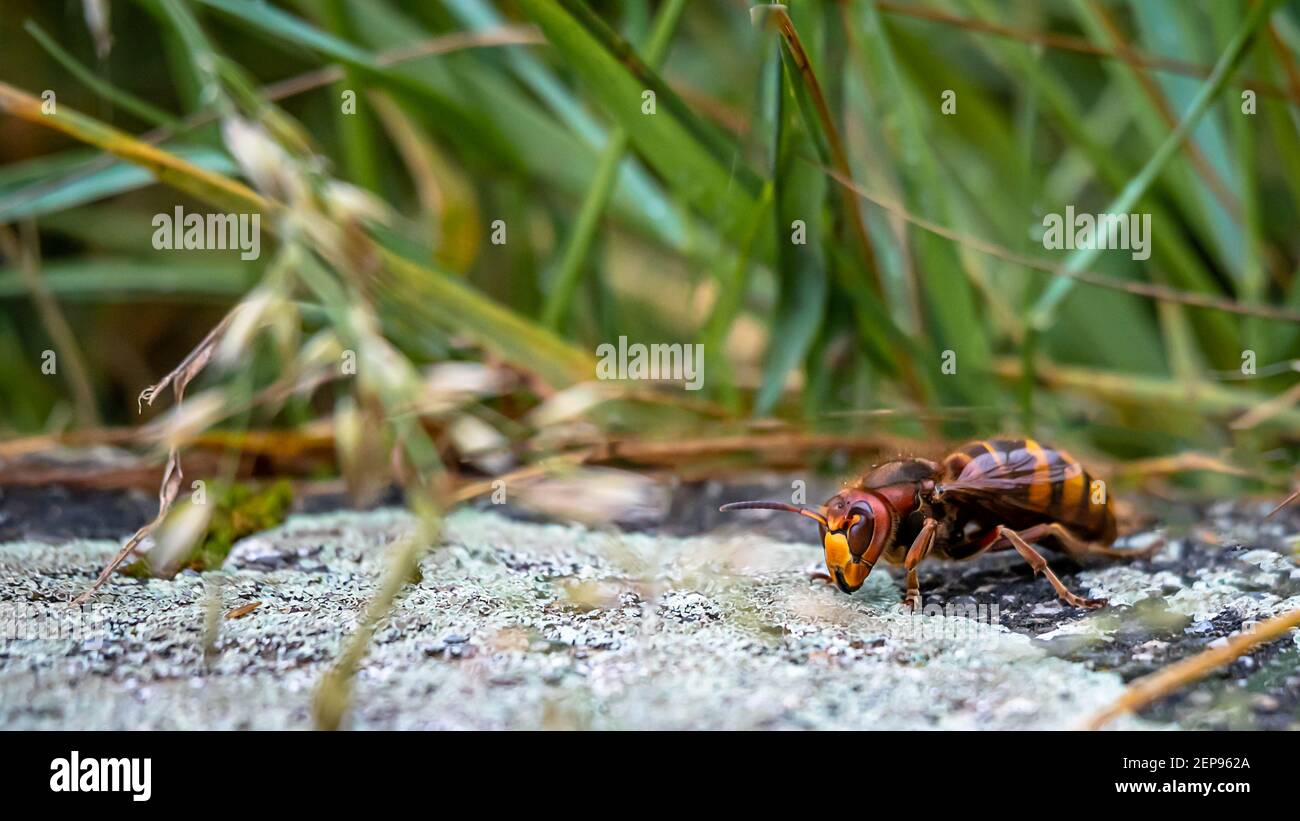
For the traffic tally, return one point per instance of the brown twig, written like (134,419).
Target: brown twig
(1181,463)
(1267,410)
(26,445)
(473,490)
(167,493)
(1161,683)
(170,487)
(790,444)
(1288,500)
(445,44)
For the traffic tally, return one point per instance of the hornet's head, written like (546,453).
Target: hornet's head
(855,526)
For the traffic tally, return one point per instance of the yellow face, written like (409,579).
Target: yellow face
(848,572)
(854,526)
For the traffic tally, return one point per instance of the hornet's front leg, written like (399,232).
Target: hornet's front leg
(920,548)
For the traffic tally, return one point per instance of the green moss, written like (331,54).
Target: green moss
(241,511)
(138,569)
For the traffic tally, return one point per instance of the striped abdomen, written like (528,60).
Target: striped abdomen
(1028,483)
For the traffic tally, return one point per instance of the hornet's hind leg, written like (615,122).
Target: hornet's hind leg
(1079,549)
(1039,564)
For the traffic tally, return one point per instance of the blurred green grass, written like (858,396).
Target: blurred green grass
(675,227)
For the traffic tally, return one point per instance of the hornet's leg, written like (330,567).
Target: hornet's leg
(1039,564)
(1080,548)
(918,551)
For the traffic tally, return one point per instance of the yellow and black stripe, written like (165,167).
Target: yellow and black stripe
(1036,478)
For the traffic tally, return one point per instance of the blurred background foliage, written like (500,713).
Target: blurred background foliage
(675,226)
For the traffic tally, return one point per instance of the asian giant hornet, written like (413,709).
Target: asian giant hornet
(987,495)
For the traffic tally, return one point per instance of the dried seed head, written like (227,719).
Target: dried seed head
(321,350)
(569,404)
(353,204)
(195,415)
(596,495)
(480,444)
(177,535)
(764,14)
(262,306)
(384,369)
(449,385)
(96,14)
(361,451)
(264,162)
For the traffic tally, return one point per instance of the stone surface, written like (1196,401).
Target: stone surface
(518,624)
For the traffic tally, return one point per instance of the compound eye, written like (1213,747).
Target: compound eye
(861,526)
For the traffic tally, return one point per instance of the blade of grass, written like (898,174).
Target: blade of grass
(1281,313)
(480,15)
(733,280)
(440,296)
(1174,255)
(799,190)
(100,279)
(1207,398)
(37,171)
(1097,14)
(700,165)
(1168,26)
(850,249)
(578,245)
(1243,134)
(122,99)
(1201,193)
(168,168)
(948,297)
(37,198)
(356,128)
(1041,316)
(203,64)
(448,199)
(821,124)
(1078,45)
(283,27)
(511,134)
(23,247)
